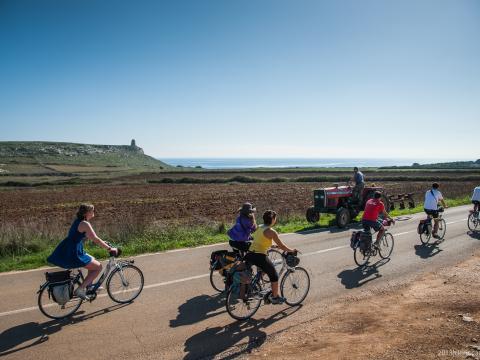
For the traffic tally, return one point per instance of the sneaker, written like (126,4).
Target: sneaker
(277,300)
(81,293)
(90,289)
(435,236)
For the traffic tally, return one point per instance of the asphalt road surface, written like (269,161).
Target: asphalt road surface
(179,315)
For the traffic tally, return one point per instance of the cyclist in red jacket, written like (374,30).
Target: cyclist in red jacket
(373,208)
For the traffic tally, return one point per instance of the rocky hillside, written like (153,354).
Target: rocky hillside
(57,153)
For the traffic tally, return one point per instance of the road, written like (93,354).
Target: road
(179,315)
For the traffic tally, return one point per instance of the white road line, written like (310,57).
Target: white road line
(18,311)
(163,283)
(12,312)
(325,250)
(403,233)
(176,281)
(457,221)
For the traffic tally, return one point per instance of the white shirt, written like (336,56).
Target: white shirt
(431,200)
(476,194)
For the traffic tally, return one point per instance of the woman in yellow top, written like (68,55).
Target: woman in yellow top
(262,241)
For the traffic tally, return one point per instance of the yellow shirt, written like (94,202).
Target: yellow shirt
(261,243)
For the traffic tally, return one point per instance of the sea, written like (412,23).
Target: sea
(254,163)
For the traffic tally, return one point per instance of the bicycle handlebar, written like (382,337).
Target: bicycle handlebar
(115,253)
(388,222)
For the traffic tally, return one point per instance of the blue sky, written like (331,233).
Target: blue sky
(245,78)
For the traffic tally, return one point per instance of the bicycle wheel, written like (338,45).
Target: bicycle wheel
(125,283)
(361,259)
(53,310)
(242,308)
(295,286)
(425,236)
(386,246)
(442,229)
(217,280)
(473,222)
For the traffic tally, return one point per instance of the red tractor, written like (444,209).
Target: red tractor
(339,200)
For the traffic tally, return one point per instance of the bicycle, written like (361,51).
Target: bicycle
(425,228)
(363,247)
(124,284)
(473,220)
(224,260)
(294,287)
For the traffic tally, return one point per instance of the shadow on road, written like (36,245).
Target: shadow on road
(22,335)
(216,340)
(427,251)
(199,308)
(474,235)
(332,228)
(361,275)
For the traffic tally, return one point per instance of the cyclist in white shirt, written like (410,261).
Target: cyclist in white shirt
(476,199)
(432,198)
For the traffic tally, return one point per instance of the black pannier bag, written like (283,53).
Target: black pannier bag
(354,239)
(60,286)
(216,259)
(58,276)
(365,240)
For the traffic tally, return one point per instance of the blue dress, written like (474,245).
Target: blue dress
(69,254)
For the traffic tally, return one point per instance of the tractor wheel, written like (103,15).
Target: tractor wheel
(312,215)
(343,217)
(353,213)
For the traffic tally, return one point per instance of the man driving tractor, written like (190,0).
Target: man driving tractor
(359,181)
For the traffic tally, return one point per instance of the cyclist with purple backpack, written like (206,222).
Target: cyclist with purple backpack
(241,233)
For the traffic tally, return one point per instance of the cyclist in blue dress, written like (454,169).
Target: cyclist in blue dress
(70,254)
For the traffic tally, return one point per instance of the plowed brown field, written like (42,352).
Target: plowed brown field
(178,203)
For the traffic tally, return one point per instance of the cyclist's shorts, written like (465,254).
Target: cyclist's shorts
(432,213)
(475,202)
(367,224)
(264,263)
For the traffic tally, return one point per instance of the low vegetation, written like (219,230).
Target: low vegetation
(28,244)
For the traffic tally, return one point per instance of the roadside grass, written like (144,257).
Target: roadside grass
(28,246)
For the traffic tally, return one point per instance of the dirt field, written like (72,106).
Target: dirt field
(436,316)
(178,203)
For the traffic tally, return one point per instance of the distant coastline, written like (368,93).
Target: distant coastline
(244,163)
